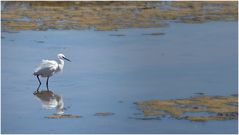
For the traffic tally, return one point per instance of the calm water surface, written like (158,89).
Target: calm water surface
(109,73)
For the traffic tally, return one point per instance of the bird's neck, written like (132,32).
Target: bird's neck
(61,64)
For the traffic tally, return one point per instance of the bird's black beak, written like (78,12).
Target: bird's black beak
(66,59)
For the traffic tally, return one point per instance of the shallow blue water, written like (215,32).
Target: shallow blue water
(110,73)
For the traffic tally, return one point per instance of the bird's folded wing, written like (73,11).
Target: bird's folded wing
(47,65)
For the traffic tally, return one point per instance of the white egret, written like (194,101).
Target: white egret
(49,67)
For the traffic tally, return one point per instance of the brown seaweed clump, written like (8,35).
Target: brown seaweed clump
(216,108)
(111,15)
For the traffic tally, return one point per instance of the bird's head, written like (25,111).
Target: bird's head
(62,56)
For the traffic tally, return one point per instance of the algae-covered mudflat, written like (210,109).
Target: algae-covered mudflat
(216,107)
(111,15)
(137,67)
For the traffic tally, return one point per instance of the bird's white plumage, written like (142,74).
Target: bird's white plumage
(47,68)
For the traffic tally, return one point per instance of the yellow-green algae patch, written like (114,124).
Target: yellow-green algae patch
(111,15)
(63,116)
(217,107)
(104,114)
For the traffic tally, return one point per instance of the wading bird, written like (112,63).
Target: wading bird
(49,67)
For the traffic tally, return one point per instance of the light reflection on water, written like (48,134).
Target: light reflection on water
(50,100)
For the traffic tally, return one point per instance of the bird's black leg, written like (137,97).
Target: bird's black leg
(39,82)
(47,83)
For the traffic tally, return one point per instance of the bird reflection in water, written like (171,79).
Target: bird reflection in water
(50,100)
